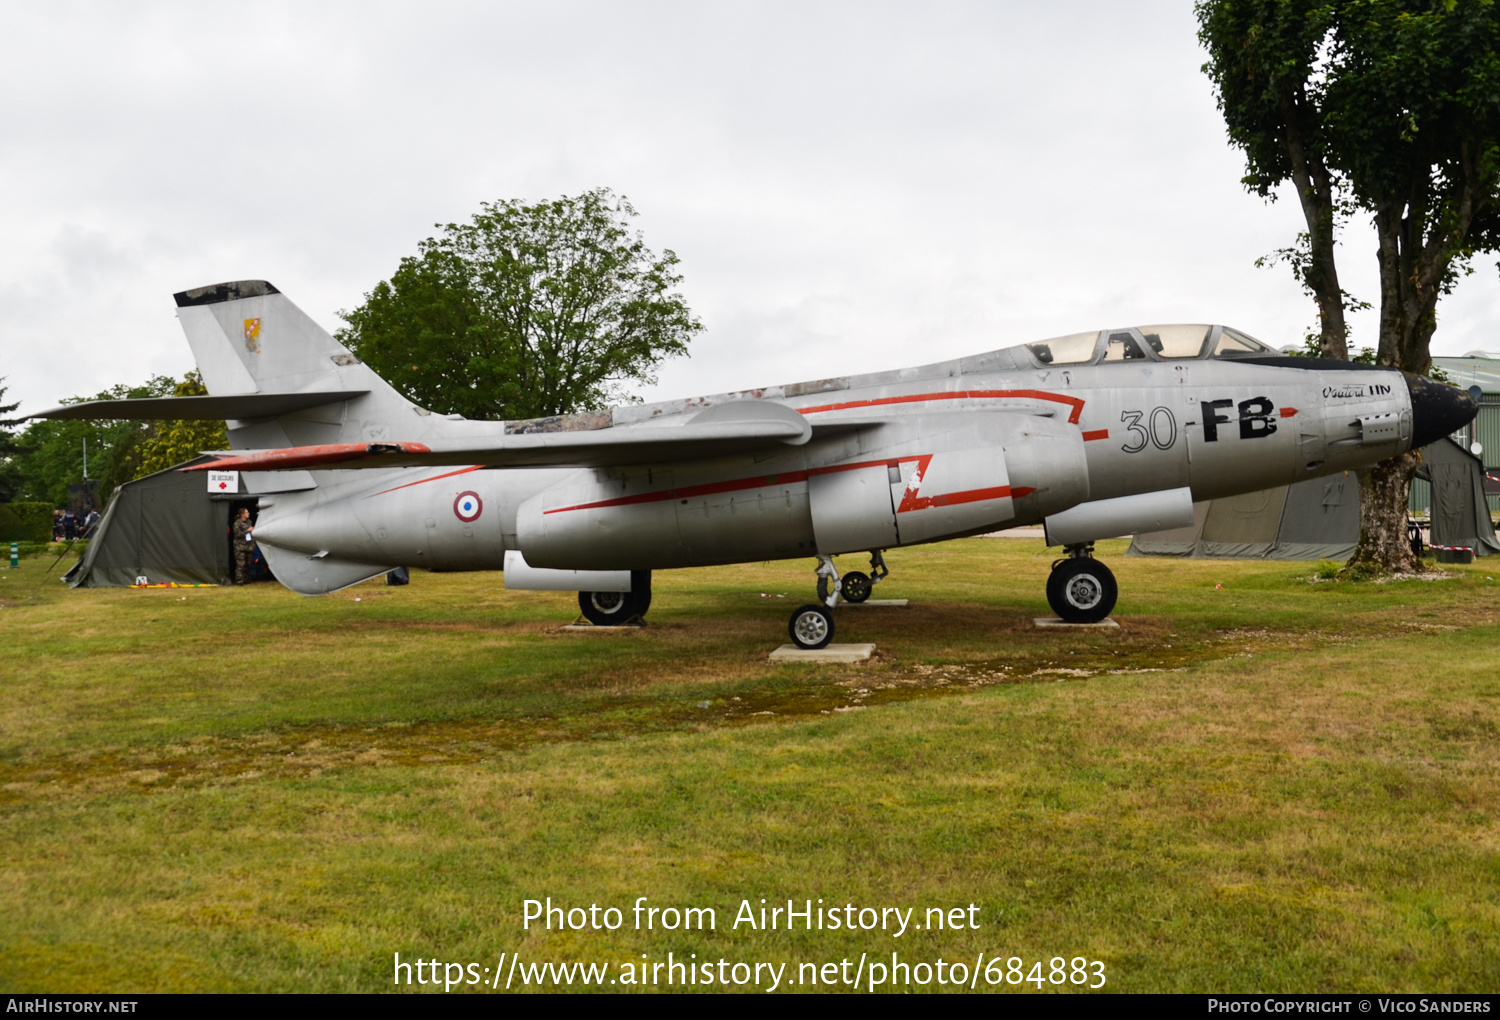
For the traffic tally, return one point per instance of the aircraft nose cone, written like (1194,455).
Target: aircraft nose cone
(1437,410)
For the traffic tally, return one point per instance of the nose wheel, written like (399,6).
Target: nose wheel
(811,626)
(1081,590)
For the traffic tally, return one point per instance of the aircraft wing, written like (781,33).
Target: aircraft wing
(735,427)
(234,406)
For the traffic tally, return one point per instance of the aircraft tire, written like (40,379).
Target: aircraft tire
(856,587)
(811,626)
(1082,591)
(609,608)
(640,586)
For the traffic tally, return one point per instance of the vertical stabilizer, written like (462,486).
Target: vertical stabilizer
(247,337)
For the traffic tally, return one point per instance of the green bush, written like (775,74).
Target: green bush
(25,522)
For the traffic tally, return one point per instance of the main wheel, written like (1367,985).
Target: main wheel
(1082,590)
(856,587)
(811,626)
(640,587)
(609,608)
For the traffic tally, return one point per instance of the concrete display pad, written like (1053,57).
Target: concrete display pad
(1052,621)
(877,604)
(833,653)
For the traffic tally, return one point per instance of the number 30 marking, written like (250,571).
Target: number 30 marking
(1161,434)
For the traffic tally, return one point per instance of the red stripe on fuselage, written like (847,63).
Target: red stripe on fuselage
(1076,403)
(424,481)
(911,502)
(1089,437)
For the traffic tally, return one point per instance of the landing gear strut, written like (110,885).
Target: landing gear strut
(616,608)
(853,586)
(1081,589)
(811,625)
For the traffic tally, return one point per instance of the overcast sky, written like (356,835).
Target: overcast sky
(849,186)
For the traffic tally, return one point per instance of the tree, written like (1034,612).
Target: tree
(172,442)
(7,445)
(525,311)
(1403,98)
(49,452)
(1262,59)
(1418,92)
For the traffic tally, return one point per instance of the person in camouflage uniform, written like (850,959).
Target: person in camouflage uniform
(244,547)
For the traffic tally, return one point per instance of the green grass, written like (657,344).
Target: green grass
(1259,783)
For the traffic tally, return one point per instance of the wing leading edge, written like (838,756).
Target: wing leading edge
(237,406)
(735,427)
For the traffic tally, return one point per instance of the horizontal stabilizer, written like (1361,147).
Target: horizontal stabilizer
(223,408)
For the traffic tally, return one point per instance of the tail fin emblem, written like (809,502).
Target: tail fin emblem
(252,335)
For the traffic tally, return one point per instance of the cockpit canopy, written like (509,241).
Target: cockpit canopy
(1148,343)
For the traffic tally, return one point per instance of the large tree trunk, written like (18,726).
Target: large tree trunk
(1383,545)
(1411,276)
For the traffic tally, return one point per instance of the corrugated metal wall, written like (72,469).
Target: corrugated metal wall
(1466,372)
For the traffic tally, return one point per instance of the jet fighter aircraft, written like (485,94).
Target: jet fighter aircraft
(1092,435)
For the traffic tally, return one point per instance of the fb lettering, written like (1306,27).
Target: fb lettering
(1255,418)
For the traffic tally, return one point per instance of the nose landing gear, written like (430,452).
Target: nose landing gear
(811,625)
(1080,588)
(853,586)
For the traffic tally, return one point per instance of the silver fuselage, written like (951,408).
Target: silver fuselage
(896,458)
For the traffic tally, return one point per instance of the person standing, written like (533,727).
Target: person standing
(244,547)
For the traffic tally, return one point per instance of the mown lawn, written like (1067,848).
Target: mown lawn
(1257,783)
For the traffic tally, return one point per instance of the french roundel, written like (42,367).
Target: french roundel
(468,506)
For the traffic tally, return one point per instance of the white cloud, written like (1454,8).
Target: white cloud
(848,185)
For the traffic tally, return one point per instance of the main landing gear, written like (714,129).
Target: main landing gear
(811,625)
(1081,589)
(617,608)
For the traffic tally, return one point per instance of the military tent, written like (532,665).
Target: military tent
(1319,518)
(165,527)
(1460,514)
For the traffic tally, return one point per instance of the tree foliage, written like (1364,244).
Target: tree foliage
(49,452)
(7,444)
(1387,107)
(525,311)
(1264,60)
(172,442)
(1416,126)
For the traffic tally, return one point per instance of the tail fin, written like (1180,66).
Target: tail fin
(248,337)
